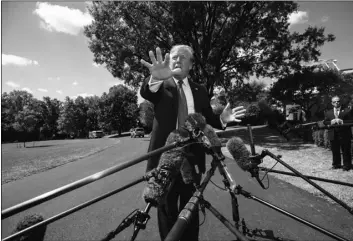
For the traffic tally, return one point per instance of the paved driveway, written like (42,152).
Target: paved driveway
(95,221)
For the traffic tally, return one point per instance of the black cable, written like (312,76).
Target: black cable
(218,186)
(266,175)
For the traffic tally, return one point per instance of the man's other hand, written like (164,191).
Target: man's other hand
(232,115)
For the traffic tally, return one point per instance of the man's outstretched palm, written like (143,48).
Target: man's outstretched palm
(159,69)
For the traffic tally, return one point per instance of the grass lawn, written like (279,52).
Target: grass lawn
(307,158)
(17,163)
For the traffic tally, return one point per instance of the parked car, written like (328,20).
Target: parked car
(95,134)
(137,132)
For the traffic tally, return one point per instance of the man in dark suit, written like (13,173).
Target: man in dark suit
(340,137)
(175,96)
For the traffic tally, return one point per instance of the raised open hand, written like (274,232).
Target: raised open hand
(159,69)
(230,115)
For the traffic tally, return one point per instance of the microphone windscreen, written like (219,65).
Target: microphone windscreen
(168,167)
(195,121)
(212,136)
(171,160)
(239,152)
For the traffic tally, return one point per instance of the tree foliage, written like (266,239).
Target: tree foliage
(118,109)
(309,88)
(232,40)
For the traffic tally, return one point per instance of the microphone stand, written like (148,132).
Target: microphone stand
(139,219)
(186,214)
(277,158)
(291,215)
(258,160)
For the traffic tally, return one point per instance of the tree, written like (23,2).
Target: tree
(232,40)
(66,120)
(309,88)
(248,93)
(118,109)
(12,106)
(26,122)
(80,117)
(50,112)
(93,112)
(146,115)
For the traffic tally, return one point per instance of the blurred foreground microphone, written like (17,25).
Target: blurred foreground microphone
(168,167)
(204,133)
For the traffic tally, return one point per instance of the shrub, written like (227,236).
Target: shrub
(28,221)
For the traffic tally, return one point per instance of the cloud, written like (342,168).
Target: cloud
(324,19)
(8,59)
(55,18)
(42,90)
(59,91)
(12,84)
(57,78)
(28,90)
(298,17)
(75,83)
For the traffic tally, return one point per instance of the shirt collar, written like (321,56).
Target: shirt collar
(185,81)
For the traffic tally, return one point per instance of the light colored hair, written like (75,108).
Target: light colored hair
(186,47)
(334,97)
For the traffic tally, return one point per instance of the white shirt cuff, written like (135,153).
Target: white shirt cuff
(154,86)
(224,125)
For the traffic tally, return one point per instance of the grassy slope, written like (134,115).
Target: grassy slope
(17,163)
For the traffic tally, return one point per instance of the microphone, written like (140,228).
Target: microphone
(242,157)
(212,143)
(168,167)
(239,152)
(198,128)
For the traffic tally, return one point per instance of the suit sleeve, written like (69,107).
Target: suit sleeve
(147,94)
(207,111)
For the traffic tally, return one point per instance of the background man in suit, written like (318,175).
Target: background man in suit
(340,137)
(175,96)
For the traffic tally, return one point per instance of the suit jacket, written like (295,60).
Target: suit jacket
(165,102)
(343,132)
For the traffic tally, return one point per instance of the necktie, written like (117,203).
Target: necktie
(182,105)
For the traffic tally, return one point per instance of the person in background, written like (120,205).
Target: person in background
(175,95)
(340,137)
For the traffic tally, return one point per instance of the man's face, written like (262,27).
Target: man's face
(336,102)
(180,60)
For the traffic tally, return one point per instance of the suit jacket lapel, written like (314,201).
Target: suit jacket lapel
(170,86)
(195,91)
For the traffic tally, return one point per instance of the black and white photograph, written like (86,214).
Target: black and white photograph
(176,120)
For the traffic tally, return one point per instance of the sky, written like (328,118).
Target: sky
(45,52)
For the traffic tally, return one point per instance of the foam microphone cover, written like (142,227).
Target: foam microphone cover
(195,121)
(239,152)
(170,162)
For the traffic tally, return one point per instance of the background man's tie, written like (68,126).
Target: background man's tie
(182,105)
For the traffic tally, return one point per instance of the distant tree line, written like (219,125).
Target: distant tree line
(25,118)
